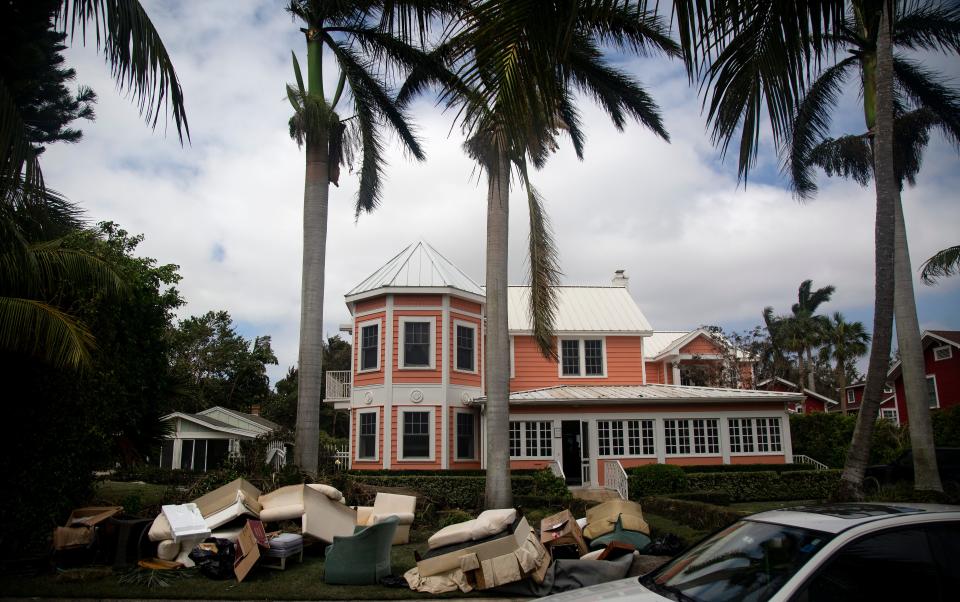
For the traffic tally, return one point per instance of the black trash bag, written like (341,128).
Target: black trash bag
(668,545)
(215,564)
(394,581)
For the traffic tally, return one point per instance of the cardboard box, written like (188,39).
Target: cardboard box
(487,550)
(248,552)
(79,530)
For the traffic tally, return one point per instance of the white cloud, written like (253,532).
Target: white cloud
(228,207)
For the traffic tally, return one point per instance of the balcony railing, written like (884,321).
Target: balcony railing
(338,385)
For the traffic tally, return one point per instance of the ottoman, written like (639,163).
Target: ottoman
(283,546)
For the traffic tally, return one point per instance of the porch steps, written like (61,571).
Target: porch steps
(595,495)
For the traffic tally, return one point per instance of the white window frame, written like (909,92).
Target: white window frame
(360,327)
(851,396)
(755,436)
(456,346)
(476,435)
(625,425)
(936,393)
(376,435)
(432,434)
(692,438)
(949,354)
(523,440)
(513,373)
(895,414)
(401,342)
(583,356)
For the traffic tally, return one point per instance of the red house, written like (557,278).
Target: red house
(812,401)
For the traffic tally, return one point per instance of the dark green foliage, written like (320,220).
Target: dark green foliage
(946,427)
(697,515)
(826,437)
(718,497)
(452,517)
(155,475)
(457,472)
(656,479)
(750,486)
(746,467)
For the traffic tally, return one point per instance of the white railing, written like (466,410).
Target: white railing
(338,385)
(801,459)
(615,478)
(557,470)
(276,455)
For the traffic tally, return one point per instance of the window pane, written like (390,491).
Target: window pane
(571,357)
(775,442)
(683,436)
(515,440)
(186,455)
(617,438)
(746,427)
(531,437)
(603,437)
(713,436)
(368,435)
(465,348)
(932,391)
(593,357)
(416,434)
(735,437)
(670,436)
(166,454)
(416,344)
(200,454)
(217,450)
(546,439)
(648,440)
(465,436)
(369,343)
(763,436)
(633,438)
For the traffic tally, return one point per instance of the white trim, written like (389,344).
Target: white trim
(376,435)
(369,312)
(401,342)
(626,438)
(445,383)
(927,333)
(692,440)
(513,361)
(431,432)
(360,327)
(949,354)
(416,290)
(894,411)
(221,429)
(388,426)
(755,436)
(582,356)
(590,334)
(554,448)
(476,434)
(464,312)
(456,347)
(851,396)
(936,393)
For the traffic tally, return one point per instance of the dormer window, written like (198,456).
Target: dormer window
(581,357)
(944,352)
(417,345)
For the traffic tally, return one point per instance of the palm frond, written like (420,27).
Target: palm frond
(943,264)
(544,269)
(19,166)
(928,26)
(846,156)
(911,134)
(44,331)
(630,29)
(926,89)
(138,60)
(812,125)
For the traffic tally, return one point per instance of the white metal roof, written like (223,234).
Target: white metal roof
(582,308)
(633,393)
(661,340)
(418,266)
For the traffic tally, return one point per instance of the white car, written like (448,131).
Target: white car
(835,552)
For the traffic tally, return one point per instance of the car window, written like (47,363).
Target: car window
(945,544)
(892,565)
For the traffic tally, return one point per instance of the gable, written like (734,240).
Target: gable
(701,345)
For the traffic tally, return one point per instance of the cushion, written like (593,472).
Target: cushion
(491,522)
(331,492)
(404,518)
(286,541)
(602,518)
(160,530)
(592,555)
(168,550)
(287,512)
(452,534)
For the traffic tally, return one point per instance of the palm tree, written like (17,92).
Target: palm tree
(922,101)
(774,351)
(844,341)
(943,264)
(518,64)
(750,54)
(808,327)
(360,36)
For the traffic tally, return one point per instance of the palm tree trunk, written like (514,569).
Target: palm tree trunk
(811,378)
(316,192)
(841,380)
(887,190)
(498,490)
(926,475)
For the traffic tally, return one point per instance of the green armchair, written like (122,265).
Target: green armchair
(635,538)
(363,558)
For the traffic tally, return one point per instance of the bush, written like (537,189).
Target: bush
(656,479)
(946,427)
(826,437)
(460,472)
(719,498)
(747,467)
(698,515)
(768,486)
(156,475)
(452,517)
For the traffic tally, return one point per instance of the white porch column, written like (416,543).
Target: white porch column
(661,442)
(725,439)
(445,384)
(388,425)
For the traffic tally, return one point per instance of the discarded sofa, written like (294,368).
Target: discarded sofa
(387,505)
(319,507)
(362,558)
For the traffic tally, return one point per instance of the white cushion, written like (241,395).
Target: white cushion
(275,513)
(168,549)
(331,492)
(404,518)
(491,522)
(160,530)
(452,534)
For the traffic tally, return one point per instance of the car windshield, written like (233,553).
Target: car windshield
(746,561)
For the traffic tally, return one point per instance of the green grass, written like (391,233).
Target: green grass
(661,525)
(122,493)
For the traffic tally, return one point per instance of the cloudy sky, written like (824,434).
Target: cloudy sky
(698,248)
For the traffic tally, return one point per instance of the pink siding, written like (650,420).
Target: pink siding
(702,345)
(654,373)
(464,305)
(533,371)
(416,300)
(758,460)
(369,304)
(678,408)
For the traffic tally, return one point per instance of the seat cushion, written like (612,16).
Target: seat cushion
(452,534)
(168,550)
(286,541)
(490,522)
(160,530)
(331,492)
(404,518)
(275,513)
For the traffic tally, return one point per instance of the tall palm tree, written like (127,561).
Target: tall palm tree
(360,36)
(843,341)
(518,64)
(943,264)
(751,54)
(922,101)
(808,326)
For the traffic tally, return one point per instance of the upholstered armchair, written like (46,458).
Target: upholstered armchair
(363,558)
(386,505)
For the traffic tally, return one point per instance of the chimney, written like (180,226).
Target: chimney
(255,409)
(620,278)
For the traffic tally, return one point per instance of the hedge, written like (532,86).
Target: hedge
(747,467)
(657,479)
(705,517)
(749,486)
(420,473)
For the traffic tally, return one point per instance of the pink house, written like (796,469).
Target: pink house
(611,400)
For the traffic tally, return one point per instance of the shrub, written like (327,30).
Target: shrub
(452,517)
(746,467)
(717,497)
(657,479)
(826,437)
(768,486)
(946,427)
(156,475)
(698,515)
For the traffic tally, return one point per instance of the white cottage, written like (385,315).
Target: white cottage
(203,441)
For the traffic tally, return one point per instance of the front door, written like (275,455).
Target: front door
(571,450)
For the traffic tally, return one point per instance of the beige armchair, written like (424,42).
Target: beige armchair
(386,505)
(321,510)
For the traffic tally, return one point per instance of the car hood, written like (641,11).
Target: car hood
(625,590)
